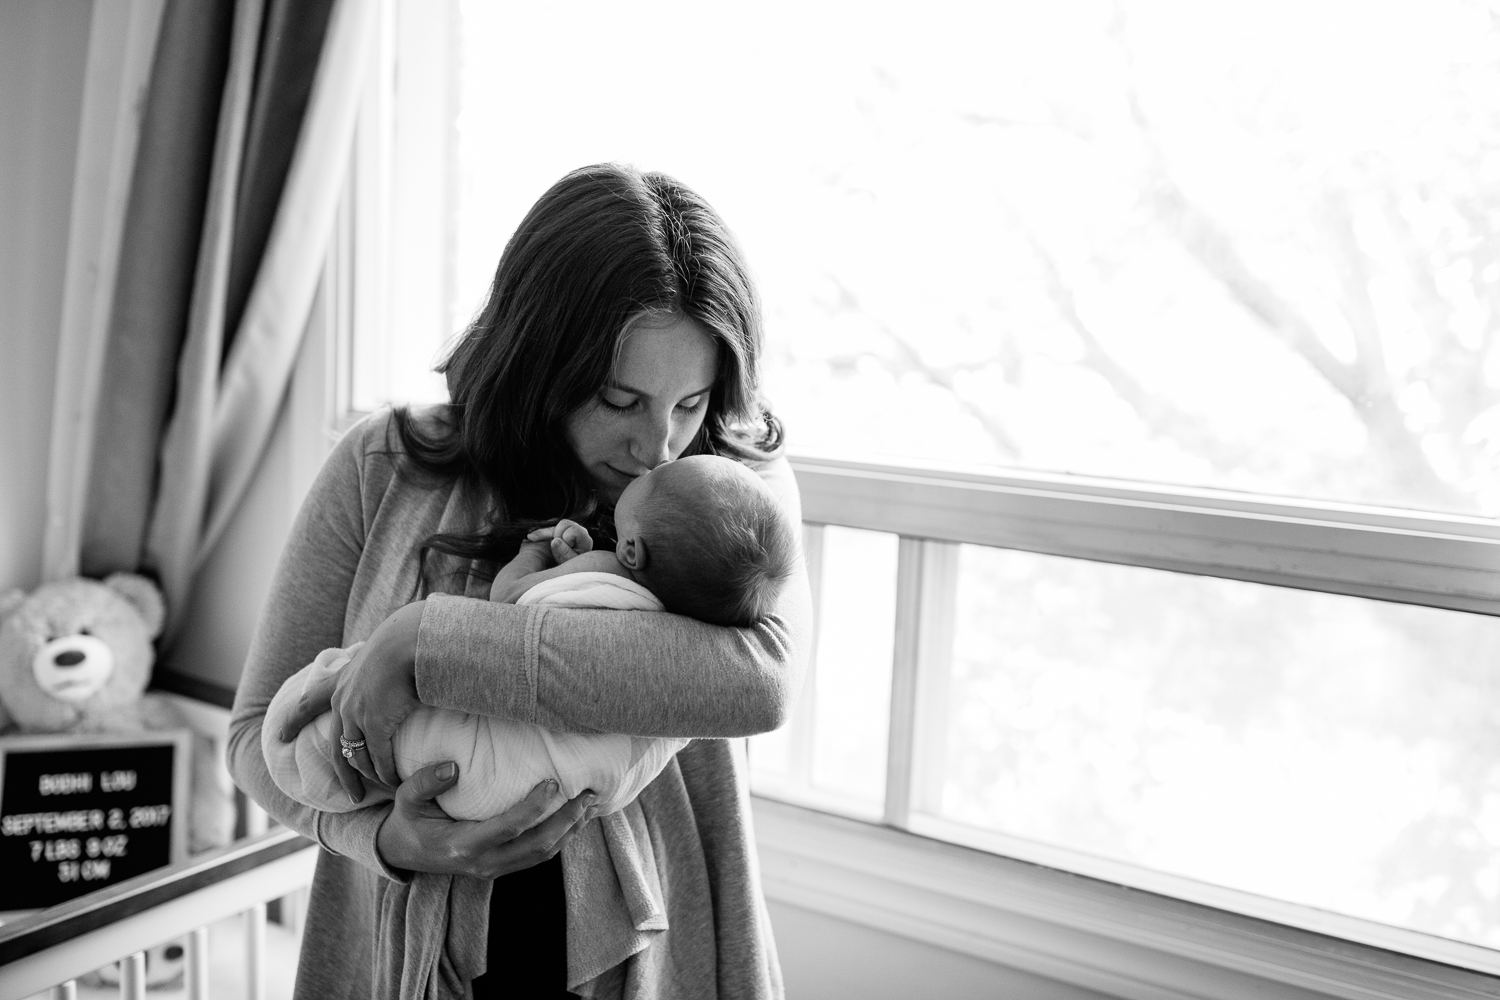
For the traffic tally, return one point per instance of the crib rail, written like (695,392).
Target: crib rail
(51,948)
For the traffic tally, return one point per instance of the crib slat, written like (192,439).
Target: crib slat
(255,952)
(133,976)
(257,821)
(65,991)
(197,964)
(294,911)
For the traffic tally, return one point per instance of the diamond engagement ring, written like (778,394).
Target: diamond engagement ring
(349,746)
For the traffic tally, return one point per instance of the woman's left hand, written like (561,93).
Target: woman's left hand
(369,698)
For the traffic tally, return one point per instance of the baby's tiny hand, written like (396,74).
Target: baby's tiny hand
(567,539)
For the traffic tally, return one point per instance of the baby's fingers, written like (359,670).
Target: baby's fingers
(577,537)
(540,534)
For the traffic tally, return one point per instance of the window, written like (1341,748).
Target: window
(1141,369)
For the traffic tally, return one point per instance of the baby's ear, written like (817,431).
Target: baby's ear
(632,553)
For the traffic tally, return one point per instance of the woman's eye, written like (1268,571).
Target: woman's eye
(617,403)
(692,402)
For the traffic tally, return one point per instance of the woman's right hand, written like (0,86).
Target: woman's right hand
(418,836)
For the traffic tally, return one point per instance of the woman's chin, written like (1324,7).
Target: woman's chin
(612,482)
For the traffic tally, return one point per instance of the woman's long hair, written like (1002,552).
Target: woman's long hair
(605,243)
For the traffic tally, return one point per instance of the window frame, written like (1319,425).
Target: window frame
(1094,933)
(1359,550)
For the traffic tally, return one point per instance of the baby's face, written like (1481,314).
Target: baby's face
(683,474)
(632,501)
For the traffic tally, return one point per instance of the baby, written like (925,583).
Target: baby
(702,536)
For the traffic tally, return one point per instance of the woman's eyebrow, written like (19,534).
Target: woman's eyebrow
(637,392)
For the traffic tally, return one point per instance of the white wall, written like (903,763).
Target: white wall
(43,52)
(825,958)
(232,586)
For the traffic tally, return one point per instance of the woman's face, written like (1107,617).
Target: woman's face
(652,405)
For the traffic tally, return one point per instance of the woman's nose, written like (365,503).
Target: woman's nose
(653,443)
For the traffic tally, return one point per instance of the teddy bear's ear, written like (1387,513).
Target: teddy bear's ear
(142,593)
(10,600)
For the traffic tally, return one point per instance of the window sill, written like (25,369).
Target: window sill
(1117,940)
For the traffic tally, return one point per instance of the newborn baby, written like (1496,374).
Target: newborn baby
(702,536)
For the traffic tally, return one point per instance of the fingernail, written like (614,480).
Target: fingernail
(551,787)
(354,798)
(589,797)
(445,771)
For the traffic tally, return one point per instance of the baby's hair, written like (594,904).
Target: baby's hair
(719,547)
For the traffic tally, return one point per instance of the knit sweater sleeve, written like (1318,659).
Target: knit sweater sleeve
(305,614)
(619,671)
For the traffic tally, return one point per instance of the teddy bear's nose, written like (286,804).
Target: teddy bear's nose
(71,658)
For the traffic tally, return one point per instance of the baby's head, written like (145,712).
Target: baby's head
(707,537)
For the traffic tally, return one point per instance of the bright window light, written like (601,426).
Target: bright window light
(1240,245)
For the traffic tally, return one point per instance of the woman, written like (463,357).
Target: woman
(621,332)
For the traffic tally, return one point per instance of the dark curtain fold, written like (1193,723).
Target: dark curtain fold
(164,233)
(291,41)
(163,223)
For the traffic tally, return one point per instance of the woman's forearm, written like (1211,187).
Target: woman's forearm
(629,672)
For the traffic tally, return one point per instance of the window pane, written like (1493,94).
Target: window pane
(1244,245)
(845,709)
(1320,749)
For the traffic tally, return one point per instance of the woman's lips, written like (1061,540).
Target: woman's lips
(625,477)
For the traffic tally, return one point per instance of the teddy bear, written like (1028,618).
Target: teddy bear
(75,657)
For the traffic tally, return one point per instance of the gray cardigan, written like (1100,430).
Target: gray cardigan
(371,931)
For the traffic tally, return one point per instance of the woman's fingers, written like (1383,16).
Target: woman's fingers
(381,752)
(538,804)
(348,777)
(417,833)
(360,728)
(430,782)
(549,835)
(509,851)
(377,690)
(315,700)
(419,836)
(354,745)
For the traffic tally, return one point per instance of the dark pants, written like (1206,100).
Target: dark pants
(528,946)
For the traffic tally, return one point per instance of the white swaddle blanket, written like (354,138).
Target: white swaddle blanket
(499,760)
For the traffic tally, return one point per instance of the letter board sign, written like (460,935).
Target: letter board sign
(78,812)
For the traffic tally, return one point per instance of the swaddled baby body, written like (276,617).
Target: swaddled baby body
(701,536)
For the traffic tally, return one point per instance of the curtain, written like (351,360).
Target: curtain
(244,147)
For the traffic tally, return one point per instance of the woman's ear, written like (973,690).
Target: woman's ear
(632,553)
